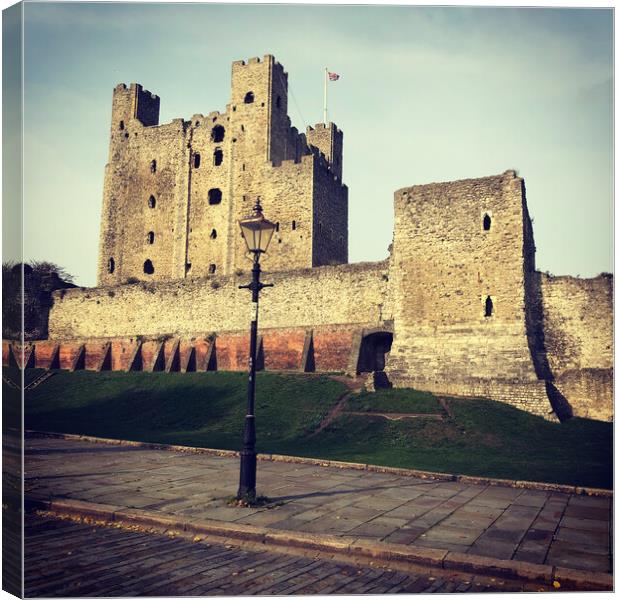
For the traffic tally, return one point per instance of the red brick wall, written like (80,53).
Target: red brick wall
(149,350)
(122,352)
(332,349)
(44,353)
(202,346)
(232,352)
(283,349)
(94,355)
(6,348)
(67,353)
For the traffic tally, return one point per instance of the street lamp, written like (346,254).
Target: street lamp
(257,232)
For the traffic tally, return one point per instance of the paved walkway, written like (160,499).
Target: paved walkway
(65,558)
(501,522)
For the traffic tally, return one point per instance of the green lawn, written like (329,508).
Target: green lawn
(395,401)
(483,438)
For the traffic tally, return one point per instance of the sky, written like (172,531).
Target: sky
(425,95)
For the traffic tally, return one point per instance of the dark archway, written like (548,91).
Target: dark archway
(373,349)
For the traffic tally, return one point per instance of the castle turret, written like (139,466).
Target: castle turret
(133,102)
(328,140)
(259,108)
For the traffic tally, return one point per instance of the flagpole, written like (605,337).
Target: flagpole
(325,98)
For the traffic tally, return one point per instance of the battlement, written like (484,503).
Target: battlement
(319,126)
(255,60)
(135,87)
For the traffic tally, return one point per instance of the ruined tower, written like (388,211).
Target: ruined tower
(173,193)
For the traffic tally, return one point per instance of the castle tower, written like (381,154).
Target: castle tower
(328,140)
(133,102)
(173,193)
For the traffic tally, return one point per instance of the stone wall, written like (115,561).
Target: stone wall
(457,272)
(578,340)
(330,295)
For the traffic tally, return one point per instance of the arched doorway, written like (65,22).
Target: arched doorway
(373,350)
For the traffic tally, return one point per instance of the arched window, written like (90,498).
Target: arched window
(148,267)
(121,125)
(294,225)
(111,265)
(218,157)
(249,98)
(217,134)
(150,237)
(213,234)
(488,307)
(196,160)
(486,222)
(212,268)
(215,196)
(152,201)
(153,166)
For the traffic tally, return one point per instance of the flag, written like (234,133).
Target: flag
(333,76)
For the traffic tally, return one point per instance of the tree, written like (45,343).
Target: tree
(30,298)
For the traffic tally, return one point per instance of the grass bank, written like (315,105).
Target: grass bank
(483,437)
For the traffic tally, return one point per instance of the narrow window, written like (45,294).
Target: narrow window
(121,125)
(486,222)
(242,127)
(215,196)
(217,134)
(218,157)
(213,234)
(152,202)
(488,307)
(188,267)
(196,160)
(148,267)
(111,266)
(278,226)
(249,98)
(294,225)
(150,237)
(212,268)
(243,166)
(153,166)
(278,102)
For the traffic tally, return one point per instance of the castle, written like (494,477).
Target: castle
(457,308)
(173,193)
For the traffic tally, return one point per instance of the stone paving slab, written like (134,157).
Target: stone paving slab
(476,519)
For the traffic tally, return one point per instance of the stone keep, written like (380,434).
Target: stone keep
(173,193)
(457,308)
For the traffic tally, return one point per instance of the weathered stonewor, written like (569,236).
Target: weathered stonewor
(467,299)
(457,308)
(173,192)
(578,326)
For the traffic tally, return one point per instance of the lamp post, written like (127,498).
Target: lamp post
(257,232)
